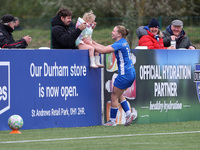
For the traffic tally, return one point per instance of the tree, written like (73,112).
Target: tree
(103,8)
(152,8)
(25,9)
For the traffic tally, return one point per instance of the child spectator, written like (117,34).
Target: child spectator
(86,34)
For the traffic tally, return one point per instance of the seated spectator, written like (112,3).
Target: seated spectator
(7,24)
(175,32)
(62,36)
(151,36)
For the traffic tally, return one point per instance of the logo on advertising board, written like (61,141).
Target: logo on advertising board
(111,66)
(197,79)
(4,86)
(130,93)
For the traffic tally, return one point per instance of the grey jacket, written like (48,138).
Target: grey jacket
(141,31)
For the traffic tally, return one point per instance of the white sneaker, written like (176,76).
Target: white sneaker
(110,123)
(134,111)
(92,63)
(97,62)
(93,66)
(100,65)
(129,119)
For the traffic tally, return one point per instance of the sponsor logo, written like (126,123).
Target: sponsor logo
(111,66)
(197,79)
(130,92)
(4,86)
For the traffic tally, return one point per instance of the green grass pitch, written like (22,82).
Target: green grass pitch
(158,136)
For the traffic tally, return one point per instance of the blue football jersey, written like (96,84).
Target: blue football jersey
(122,54)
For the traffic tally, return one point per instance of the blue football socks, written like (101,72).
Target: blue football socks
(113,114)
(125,107)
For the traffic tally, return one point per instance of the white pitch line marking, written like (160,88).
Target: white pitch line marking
(144,116)
(145,107)
(97,137)
(186,105)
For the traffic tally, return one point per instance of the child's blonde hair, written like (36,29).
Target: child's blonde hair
(87,16)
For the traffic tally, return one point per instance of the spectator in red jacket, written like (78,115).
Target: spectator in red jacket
(153,40)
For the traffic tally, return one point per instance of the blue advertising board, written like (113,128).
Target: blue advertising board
(49,88)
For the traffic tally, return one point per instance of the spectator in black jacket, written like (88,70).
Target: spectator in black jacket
(7,24)
(175,32)
(62,36)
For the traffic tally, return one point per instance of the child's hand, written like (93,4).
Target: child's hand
(94,25)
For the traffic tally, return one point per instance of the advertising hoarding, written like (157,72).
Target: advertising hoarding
(49,88)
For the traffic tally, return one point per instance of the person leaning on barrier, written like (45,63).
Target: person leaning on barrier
(153,39)
(175,32)
(62,36)
(7,24)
